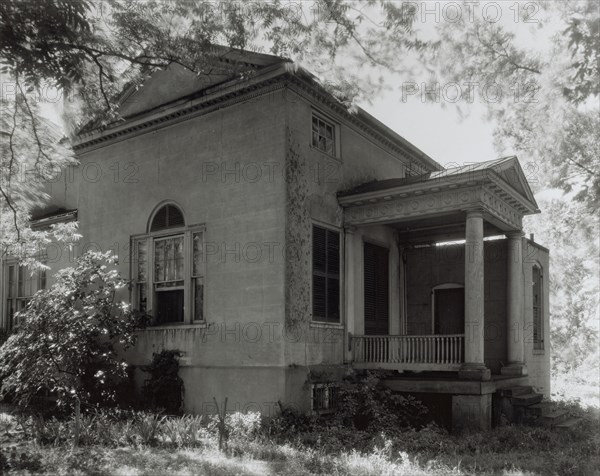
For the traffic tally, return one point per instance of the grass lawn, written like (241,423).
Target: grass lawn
(511,450)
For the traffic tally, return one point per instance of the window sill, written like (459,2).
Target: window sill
(539,351)
(326,325)
(325,154)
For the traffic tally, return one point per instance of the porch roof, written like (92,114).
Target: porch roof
(498,187)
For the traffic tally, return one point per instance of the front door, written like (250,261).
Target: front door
(376,259)
(449,311)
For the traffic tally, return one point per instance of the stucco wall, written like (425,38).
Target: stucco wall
(225,170)
(431,266)
(314,179)
(538,361)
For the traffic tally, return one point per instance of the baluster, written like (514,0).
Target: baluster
(403,349)
(432,350)
(445,350)
(454,350)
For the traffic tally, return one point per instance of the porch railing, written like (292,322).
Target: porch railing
(409,352)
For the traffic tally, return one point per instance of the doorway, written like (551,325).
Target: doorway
(376,294)
(449,309)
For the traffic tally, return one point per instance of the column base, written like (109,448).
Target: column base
(474,372)
(514,369)
(471,412)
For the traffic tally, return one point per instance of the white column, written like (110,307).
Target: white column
(474,367)
(514,306)
(349,284)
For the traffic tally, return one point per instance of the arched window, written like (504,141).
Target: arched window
(168,216)
(169,268)
(537,304)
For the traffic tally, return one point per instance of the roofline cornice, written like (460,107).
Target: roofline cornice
(417,188)
(268,80)
(467,179)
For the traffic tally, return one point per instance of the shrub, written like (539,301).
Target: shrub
(187,431)
(243,426)
(164,388)
(367,405)
(66,344)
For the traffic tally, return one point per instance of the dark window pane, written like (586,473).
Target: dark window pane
(168,216)
(169,306)
(198,300)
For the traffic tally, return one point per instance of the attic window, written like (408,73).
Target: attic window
(323,135)
(168,216)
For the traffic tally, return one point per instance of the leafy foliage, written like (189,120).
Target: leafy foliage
(164,387)
(366,404)
(70,337)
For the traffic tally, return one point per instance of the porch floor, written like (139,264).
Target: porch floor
(448,382)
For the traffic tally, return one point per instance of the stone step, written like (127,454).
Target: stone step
(516,390)
(569,424)
(526,399)
(546,414)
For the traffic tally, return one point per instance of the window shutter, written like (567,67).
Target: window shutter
(376,292)
(326,279)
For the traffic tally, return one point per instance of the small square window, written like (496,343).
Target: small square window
(323,135)
(324,397)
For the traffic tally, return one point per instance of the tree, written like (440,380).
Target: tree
(92,50)
(548,115)
(71,337)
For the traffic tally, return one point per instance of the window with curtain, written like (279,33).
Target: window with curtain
(168,269)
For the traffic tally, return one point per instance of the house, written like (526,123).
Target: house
(279,240)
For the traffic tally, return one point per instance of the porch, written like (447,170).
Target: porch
(407,310)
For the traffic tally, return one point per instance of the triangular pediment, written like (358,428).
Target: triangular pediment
(176,82)
(166,86)
(511,172)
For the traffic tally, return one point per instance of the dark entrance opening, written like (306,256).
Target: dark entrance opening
(376,259)
(449,311)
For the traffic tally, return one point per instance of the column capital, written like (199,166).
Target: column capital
(474,212)
(515,234)
(349,229)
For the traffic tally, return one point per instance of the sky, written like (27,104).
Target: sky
(440,132)
(437,131)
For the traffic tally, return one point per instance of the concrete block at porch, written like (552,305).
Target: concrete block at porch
(471,412)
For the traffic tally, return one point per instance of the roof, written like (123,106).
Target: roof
(171,93)
(506,169)
(49,216)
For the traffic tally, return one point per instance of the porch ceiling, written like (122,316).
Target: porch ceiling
(440,199)
(450,226)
